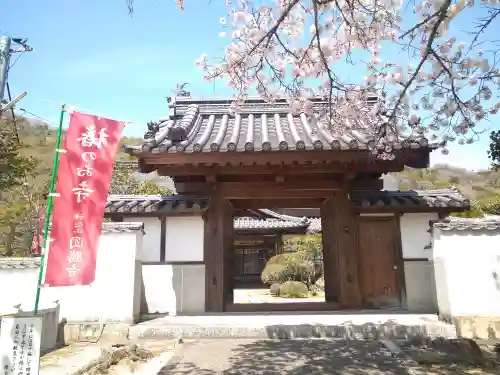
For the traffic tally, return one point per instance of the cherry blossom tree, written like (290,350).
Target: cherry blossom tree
(430,77)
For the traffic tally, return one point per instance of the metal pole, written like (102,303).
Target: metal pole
(5,43)
(49,209)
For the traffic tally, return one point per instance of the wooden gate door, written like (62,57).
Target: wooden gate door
(378,268)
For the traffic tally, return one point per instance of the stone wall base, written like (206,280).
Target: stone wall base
(69,333)
(477,327)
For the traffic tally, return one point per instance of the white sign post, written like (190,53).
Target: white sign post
(20,340)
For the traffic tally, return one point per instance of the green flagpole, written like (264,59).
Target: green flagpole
(49,208)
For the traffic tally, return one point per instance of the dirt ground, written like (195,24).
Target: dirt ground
(459,356)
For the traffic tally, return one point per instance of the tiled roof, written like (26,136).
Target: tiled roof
(315,225)
(154,203)
(122,227)
(127,164)
(19,263)
(113,226)
(473,224)
(255,223)
(207,126)
(421,200)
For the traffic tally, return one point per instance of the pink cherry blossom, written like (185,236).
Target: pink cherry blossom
(427,79)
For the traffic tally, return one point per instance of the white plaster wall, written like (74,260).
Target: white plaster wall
(113,297)
(174,289)
(415,236)
(184,239)
(467,269)
(151,240)
(160,297)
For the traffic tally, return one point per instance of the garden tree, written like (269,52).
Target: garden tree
(19,193)
(494,151)
(19,215)
(431,77)
(13,165)
(124,183)
(302,264)
(491,205)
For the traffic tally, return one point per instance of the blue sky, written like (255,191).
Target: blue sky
(90,54)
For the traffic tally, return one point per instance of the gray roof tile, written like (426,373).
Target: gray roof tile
(154,203)
(255,223)
(19,263)
(122,227)
(447,200)
(206,126)
(472,224)
(315,226)
(424,200)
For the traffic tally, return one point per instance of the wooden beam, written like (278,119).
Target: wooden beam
(413,156)
(251,189)
(263,193)
(277,203)
(258,158)
(293,169)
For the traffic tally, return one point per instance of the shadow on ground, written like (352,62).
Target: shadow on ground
(328,357)
(294,357)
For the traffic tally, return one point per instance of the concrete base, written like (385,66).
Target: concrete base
(477,327)
(359,325)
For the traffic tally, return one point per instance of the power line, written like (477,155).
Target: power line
(38,117)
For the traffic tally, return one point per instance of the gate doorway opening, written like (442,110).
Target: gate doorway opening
(278,256)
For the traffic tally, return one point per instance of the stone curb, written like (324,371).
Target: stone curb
(291,332)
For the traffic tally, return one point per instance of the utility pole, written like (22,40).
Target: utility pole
(5,51)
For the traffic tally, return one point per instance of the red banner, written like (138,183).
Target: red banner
(84,175)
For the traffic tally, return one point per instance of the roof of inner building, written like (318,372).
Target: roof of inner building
(195,125)
(445,200)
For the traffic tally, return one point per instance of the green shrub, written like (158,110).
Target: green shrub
(274,290)
(293,289)
(297,266)
(273,273)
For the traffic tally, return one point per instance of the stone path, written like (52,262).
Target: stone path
(263,296)
(294,357)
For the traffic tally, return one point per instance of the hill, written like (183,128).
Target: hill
(474,185)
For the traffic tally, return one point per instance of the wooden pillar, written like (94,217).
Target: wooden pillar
(218,254)
(339,233)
